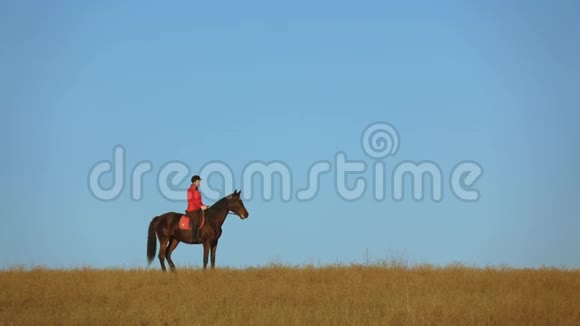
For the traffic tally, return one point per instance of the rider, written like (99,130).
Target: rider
(194,205)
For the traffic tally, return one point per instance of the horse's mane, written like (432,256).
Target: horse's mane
(219,203)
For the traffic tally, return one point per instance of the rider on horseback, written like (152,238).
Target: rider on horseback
(194,205)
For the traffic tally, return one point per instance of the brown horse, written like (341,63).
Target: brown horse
(166,227)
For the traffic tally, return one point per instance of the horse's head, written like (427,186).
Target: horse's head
(236,205)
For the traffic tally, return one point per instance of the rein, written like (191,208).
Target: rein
(229,212)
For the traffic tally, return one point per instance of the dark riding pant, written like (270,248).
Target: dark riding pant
(194,220)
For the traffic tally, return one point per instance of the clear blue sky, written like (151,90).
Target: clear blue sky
(493,82)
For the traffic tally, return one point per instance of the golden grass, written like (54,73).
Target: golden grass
(278,295)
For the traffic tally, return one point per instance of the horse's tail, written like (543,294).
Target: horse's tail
(152,240)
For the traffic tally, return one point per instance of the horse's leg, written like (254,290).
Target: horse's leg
(172,244)
(205,253)
(213,249)
(162,249)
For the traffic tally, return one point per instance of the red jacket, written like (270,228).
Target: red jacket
(194,199)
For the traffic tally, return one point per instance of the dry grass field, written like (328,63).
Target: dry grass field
(278,295)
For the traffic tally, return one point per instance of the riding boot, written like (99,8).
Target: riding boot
(194,228)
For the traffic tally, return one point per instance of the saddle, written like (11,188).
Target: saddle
(185,223)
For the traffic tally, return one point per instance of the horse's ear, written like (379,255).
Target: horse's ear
(236,193)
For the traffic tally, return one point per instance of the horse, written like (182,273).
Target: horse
(165,227)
